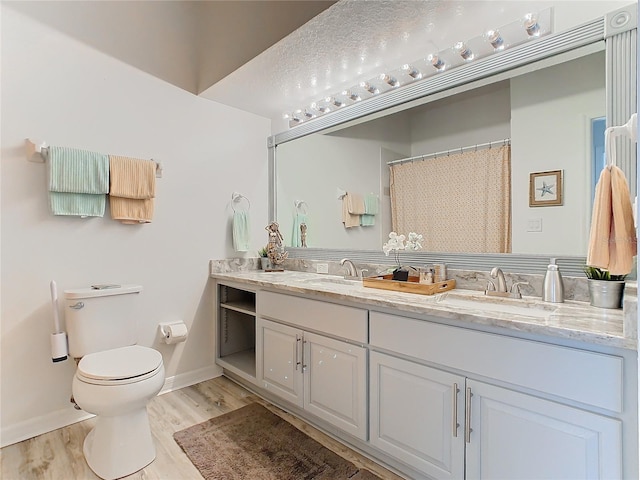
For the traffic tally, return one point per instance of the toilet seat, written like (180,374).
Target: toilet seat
(119,366)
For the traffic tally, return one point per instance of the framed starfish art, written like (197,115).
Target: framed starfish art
(545,188)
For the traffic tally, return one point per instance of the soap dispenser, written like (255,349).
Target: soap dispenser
(553,287)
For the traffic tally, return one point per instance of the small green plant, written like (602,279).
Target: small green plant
(595,273)
(263,252)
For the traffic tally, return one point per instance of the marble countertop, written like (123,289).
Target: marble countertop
(571,320)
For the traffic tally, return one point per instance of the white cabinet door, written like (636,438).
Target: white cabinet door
(279,351)
(416,415)
(335,383)
(516,436)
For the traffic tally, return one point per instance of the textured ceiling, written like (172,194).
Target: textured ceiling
(356,40)
(193,44)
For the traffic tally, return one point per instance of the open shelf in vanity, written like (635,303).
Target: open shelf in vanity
(236,309)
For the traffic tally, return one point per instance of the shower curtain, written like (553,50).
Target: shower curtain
(459,203)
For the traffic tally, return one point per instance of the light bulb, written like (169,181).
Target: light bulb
(369,88)
(531,25)
(334,101)
(353,96)
(464,51)
(437,62)
(412,71)
(495,39)
(388,79)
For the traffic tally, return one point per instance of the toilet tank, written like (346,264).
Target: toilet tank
(100,319)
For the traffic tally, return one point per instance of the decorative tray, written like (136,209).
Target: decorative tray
(412,285)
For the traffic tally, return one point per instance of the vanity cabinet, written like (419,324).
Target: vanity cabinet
(514,435)
(489,422)
(326,377)
(415,415)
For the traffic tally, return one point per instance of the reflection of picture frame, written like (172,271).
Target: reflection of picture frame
(545,188)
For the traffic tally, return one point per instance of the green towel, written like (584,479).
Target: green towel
(241,231)
(370,210)
(78,182)
(371,204)
(367,220)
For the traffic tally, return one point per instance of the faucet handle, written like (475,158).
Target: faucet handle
(491,287)
(515,288)
(362,270)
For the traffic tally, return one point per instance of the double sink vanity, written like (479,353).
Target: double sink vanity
(448,386)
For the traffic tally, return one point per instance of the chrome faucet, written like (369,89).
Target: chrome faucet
(501,289)
(352,271)
(502,284)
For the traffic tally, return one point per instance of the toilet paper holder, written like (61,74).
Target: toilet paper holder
(173,332)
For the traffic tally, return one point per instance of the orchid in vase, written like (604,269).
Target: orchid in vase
(396,244)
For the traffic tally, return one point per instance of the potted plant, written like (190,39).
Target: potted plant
(395,244)
(605,290)
(265,264)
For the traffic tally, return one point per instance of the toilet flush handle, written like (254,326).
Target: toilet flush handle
(77,306)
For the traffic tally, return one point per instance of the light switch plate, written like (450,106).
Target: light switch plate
(534,225)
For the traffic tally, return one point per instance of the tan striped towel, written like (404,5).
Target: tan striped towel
(133,188)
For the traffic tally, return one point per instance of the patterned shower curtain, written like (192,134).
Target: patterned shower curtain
(459,203)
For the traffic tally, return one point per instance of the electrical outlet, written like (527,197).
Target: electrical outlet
(322,268)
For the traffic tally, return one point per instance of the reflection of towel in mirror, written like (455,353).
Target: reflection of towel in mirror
(241,231)
(298,219)
(349,218)
(370,210)
(612,241)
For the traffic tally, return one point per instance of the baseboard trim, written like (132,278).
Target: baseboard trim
(190,378)
(62,418)
(42,424)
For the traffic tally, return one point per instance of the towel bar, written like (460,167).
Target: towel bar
(38,152)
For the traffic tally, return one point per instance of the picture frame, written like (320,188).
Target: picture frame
(545,188)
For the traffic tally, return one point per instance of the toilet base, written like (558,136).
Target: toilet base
(119,446)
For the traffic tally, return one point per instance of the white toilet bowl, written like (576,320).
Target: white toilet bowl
(116,386)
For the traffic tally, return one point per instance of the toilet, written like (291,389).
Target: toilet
(115,378)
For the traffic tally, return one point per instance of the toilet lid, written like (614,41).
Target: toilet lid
(120,363)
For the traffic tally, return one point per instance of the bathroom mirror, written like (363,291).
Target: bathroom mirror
(544,102)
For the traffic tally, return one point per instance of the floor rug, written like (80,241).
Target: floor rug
(252,443)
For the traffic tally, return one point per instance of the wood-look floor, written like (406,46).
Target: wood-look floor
(58,455)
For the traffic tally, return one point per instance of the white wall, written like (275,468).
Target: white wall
(575,92)
(61,91)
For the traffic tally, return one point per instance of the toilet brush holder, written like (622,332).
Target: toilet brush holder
(59,348)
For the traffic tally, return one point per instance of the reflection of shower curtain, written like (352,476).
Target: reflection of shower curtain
(459,203)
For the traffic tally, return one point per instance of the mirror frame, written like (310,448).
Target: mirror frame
(618,29)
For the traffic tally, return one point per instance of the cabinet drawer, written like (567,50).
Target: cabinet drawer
(315,315)
(591,378)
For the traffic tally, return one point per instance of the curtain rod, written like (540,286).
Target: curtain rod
(506,141)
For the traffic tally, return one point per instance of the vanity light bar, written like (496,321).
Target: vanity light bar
(530,26)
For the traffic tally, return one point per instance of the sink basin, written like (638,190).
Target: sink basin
(499,305)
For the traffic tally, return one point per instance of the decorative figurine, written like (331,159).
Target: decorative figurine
(303,234)
(275,248)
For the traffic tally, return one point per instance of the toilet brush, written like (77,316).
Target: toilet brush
(59,348)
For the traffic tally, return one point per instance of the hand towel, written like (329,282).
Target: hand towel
(368,219)
(132,192)
(350,220)
(296,237)
(612,240)
(371,204)
(241,231)
(355,203)
(78,182)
